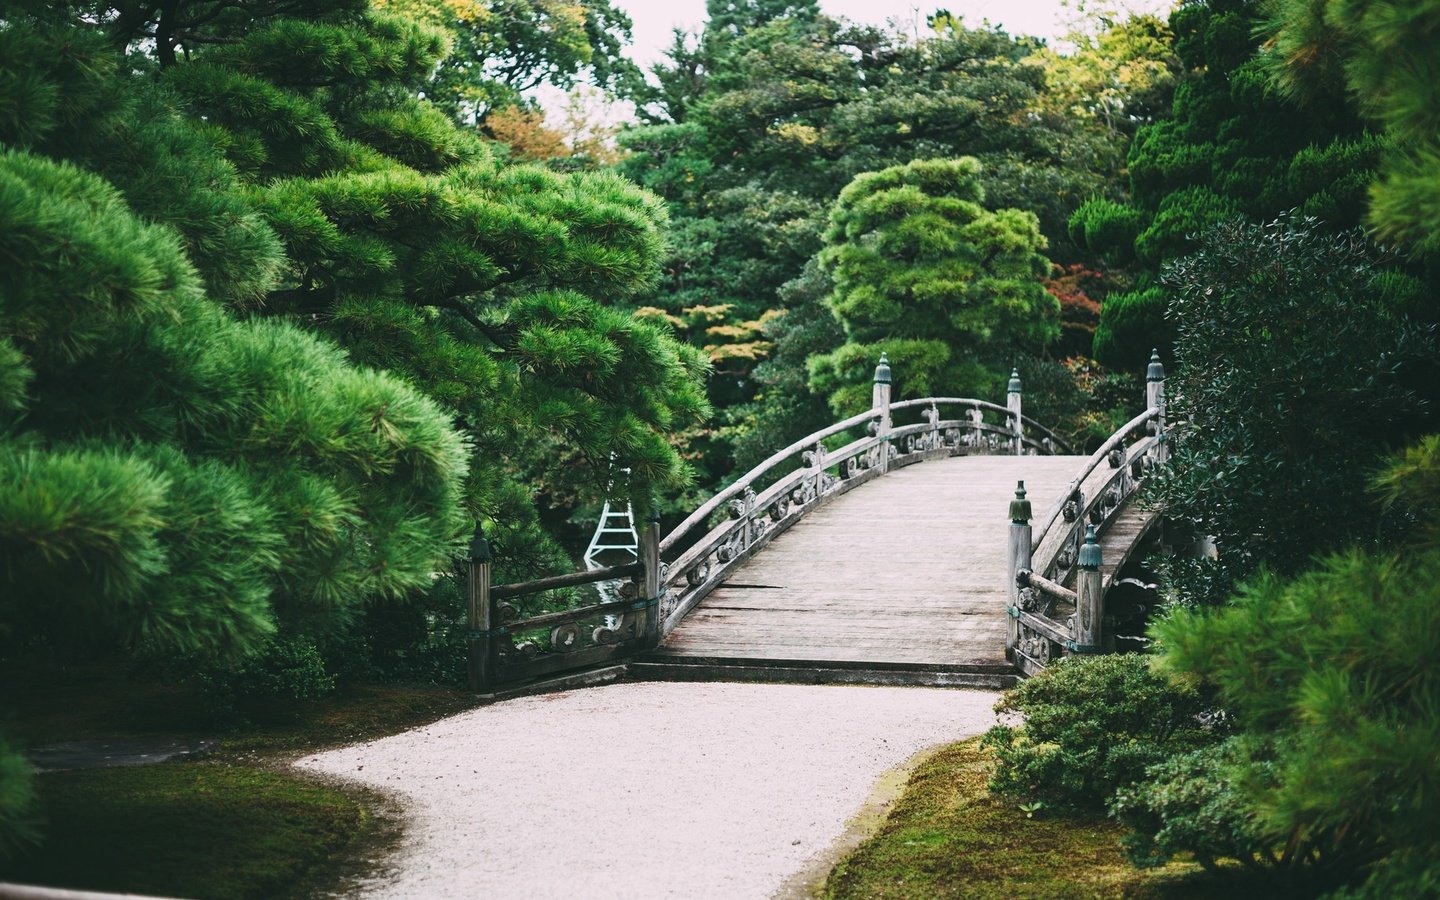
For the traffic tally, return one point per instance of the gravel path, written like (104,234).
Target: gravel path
(643,790)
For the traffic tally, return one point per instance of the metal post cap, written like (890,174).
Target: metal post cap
(479,546)
(1156,371)
(882,371)
(1020,507)
(1090,550)
(1014,387)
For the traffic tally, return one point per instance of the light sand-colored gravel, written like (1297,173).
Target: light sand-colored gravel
(643,790)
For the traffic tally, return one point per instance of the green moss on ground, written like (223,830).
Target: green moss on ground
(947,836)
(200,829)
(231,826)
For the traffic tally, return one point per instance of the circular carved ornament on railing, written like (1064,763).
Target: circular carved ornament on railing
(698,573)
(565,638)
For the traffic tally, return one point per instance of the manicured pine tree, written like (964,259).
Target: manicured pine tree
(493,288)
(923,271)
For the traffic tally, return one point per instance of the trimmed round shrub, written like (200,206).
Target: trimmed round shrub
(1092,725)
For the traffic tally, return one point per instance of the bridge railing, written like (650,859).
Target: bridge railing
(737,522)
(1046,617)
(778,492)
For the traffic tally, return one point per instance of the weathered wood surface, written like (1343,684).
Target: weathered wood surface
(907,571)
(1118,542)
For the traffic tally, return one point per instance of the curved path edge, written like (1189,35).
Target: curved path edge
(650,789)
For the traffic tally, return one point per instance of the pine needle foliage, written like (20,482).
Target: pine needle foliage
(1334,673)
(1231,146)
(370,216)
(178,477)
(1385,53)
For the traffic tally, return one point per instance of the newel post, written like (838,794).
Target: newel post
(1089,601)
(1017,559)
(880,403)
(1012,403)
(479,613)
(1155,399)
(651,586)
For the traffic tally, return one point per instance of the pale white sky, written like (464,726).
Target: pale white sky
(1043,18)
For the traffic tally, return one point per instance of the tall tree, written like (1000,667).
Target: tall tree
(1384,53)
(1230,147)
(491,287)
(791,107)
(500,49)
(925,272)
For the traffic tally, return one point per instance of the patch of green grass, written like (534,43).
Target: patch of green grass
(232,826)
(201,830)
(948,837)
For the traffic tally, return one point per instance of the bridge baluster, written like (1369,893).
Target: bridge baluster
(1089,598)
(1017,557)
(650,582)
(1155,399)
(880,402)
(1012,403)
(479,613)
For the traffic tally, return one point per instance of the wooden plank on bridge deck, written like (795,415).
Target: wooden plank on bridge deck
(908,569)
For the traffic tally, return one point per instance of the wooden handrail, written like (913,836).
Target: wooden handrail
(738,487)
(566,616)
(1091,465)
(983,404)
(569,579)
(749,478)
(1027,578)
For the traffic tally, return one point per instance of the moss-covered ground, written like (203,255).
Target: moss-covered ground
(197,829)
(237,823)
(947,836)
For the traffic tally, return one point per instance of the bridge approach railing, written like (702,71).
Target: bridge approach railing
(1057,587)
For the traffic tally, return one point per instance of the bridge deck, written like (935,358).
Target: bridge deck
(907,572)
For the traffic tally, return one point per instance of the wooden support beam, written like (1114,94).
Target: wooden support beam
(480,613)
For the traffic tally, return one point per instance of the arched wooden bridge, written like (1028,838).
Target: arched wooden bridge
(941,572)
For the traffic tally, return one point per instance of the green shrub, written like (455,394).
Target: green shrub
(1193,803)
(1132,323)
(258,686)
(1092,725)
(1409,873)
(1336,672)
(1104,226)
(1193,583)
(1294,375)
